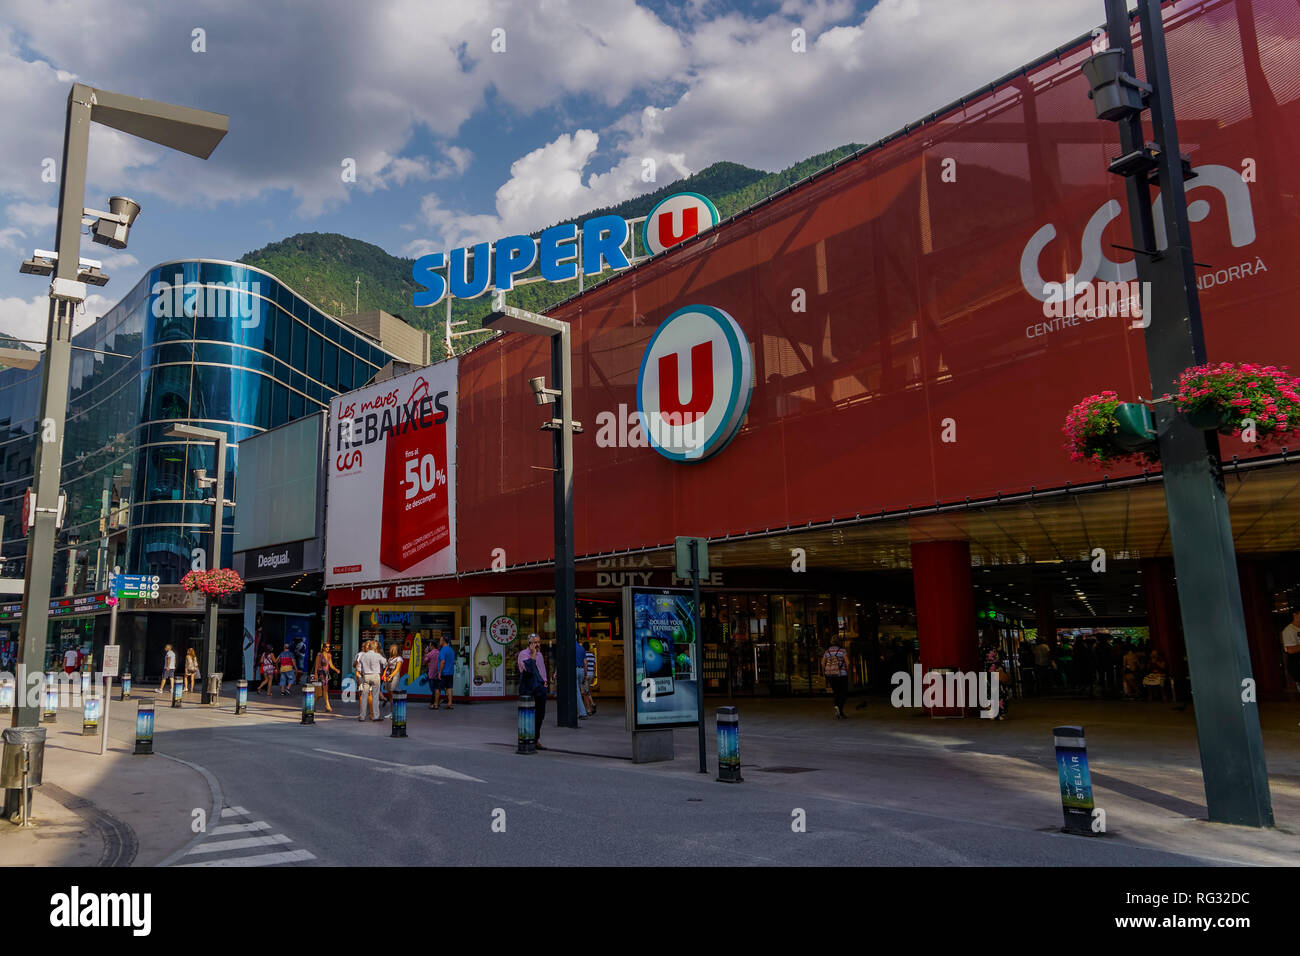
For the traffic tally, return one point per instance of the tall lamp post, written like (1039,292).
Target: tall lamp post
(1209,595)
(196,132)
(219,503)
(510,319)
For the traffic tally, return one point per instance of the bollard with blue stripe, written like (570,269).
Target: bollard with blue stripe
(51,709)
(90,715)
(309,703)
(527,717)
(399,713)
(126,686)
(8,694)
(1076,782)
(178,692)
(85,684)
(144,727)
(241,696)
(729,746)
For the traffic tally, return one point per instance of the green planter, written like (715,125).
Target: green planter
(1137,430)
(1208,419)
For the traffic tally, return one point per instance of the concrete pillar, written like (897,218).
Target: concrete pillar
(945,604)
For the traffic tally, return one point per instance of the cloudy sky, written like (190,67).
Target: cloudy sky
(466,119)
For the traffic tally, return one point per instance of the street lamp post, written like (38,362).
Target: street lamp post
(219,502)
(1227,718)
(196,132)
(510,319)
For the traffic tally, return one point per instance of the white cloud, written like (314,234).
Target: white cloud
(30,318)
(457,161)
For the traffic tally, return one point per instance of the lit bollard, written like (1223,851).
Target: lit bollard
(178,692)
(399,713)
(1076,783)
(90,716)
(309,703)
(144,727)
(51,708)
(527,726)
(729,746)
(241,696)
(85,684)
(8,695)
(126,686)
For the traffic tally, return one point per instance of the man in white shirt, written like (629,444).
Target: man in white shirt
(371,665)
(169,669)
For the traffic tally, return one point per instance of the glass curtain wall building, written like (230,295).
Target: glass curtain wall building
(215,344)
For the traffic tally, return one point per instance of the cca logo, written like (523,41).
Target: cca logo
(690,415)
(676,219)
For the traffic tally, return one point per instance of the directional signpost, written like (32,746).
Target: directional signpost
(121,586)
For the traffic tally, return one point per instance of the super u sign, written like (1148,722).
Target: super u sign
(695,383)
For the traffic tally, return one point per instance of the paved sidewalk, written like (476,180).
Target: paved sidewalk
(1144,762)
(118,809)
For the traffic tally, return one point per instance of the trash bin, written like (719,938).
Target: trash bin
(11,764)
(214,686)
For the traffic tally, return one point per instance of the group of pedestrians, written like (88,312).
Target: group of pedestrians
(378,677)
(191,674)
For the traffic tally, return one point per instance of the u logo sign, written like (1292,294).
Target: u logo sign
(688,416)
(676,219)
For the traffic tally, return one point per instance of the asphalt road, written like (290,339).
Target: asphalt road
(346,793)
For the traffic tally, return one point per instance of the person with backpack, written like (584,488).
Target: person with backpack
(835,668)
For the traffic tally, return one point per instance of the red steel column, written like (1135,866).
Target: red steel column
(945,604)
(1265,645)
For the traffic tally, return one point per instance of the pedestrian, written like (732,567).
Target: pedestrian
(392,676)
(287,670)
(1132,671)
(267,665)
(533,681)
(1291,645)
(191,669)
(996,669)
(430,661)
(71,661)
(446,668)
(1042,666)
(325,664)
(370,665)
(835,668)
(1156,675)
(588,672)
(580,674)
(169,669)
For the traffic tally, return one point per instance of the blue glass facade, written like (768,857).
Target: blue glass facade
(215,344)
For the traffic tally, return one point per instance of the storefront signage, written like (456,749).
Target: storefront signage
(677,218)
(559,252)
(273,562)
(392,488)
(695,383)
(661,671)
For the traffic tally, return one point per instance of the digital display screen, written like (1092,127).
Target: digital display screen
(663,665)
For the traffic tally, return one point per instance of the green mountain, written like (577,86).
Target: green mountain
(324,267)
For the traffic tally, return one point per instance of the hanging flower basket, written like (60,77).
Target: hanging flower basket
(216,583)
(1263,401)
(1102,430)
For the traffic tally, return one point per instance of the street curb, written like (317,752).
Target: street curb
(120,842)
(214,815)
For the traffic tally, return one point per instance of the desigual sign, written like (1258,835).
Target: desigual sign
(695,383)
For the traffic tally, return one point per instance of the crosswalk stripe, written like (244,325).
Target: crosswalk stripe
(244,844)
(233,812)
(262,859)
(227,828)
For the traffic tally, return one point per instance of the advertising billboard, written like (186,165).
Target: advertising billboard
(392,486)
(661,666)
(278,491)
